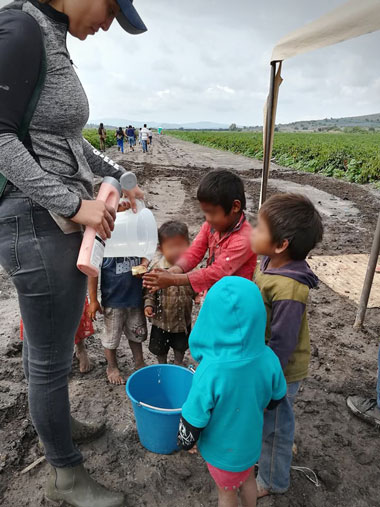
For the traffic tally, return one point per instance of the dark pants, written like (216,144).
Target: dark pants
(41,261)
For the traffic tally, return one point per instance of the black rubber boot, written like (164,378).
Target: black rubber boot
(75,487)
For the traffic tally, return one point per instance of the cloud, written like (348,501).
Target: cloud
(209,60)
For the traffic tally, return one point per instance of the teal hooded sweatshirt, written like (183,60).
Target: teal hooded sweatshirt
(238,375)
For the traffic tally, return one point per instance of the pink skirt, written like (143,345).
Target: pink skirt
(228,480)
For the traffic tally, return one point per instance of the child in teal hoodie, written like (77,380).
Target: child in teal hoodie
(237,379)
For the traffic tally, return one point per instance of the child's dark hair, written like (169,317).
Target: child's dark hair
(171,229)
(222,188)
(293,217)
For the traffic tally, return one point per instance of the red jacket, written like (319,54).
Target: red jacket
(229,255)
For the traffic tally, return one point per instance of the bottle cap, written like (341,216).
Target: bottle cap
(128,181)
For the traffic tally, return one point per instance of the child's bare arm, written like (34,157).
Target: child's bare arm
(94,305)
(162,279)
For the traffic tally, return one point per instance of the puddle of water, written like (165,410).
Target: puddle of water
(326,203)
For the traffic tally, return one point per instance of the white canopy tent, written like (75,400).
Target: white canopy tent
(351,19)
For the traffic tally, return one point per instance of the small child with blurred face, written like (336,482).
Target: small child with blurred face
(224,237)
(170,309)
(122,306)
(288,228)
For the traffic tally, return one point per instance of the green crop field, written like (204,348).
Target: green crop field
(354,157)
(92,137)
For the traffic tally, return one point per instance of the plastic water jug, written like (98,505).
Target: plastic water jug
(92,249)
(134,235)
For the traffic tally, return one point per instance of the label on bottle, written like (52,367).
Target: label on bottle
(97,253)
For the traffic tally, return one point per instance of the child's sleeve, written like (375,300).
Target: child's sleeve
(149,299)
(188,435)
(199,404)
(230,261)
(286,323)
(197,250)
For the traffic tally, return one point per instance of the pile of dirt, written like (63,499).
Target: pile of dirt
(342,450)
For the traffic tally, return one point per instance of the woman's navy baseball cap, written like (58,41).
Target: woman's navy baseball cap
(129,19)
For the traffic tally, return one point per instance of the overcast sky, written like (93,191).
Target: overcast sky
(209,60)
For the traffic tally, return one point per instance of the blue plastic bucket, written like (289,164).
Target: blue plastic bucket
(157,394)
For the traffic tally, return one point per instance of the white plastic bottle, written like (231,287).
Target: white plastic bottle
(92,249)
(134,235)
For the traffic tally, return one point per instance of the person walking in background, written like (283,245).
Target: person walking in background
(135,135)
(150,137)
(119,134)
(131,137)
(102,137)
(144,138)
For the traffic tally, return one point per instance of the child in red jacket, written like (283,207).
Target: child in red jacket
(225,236)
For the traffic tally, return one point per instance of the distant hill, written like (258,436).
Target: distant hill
(370,121)
(122,122)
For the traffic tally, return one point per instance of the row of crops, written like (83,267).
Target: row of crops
(92,137)
(354,157)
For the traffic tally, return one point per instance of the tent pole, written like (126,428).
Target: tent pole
(268,137)
(371,268)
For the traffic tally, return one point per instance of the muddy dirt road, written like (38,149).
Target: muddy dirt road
(343,451)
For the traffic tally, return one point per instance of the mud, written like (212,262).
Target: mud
(342,450)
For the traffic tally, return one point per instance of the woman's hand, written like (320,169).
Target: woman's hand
(158,279)
(135,193)
(93,307)
(96,214)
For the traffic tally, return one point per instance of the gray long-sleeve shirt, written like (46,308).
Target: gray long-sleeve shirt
(57,166)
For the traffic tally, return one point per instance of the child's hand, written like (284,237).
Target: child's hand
(94,307)
(158,279)
(198,298)
(149,312)
(194,450)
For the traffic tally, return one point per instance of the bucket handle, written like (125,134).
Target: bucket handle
(142,404)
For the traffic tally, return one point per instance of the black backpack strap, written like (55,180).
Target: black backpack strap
(28,115)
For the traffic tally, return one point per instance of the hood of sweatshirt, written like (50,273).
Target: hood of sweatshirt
(298,270)
(231,323)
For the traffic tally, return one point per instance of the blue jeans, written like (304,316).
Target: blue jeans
(378,380)
(120,143)
(144,143)
(278,438)
(41,262)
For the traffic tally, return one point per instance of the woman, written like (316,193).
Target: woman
(102,137)
(48,198)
